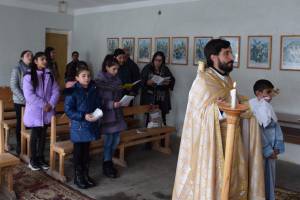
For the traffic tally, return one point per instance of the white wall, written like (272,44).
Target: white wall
(25,29)
(205,18)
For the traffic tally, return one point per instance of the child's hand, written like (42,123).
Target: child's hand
(276,151)
(273,156)
(70,84)
(117,105)
(47,108)
(150,82)
(90,118)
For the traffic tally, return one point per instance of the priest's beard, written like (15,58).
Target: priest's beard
(226,67)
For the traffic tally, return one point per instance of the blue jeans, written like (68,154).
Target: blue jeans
(111,141)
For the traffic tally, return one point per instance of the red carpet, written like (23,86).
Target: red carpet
(37,185)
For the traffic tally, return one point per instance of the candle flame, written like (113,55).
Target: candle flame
(234,84)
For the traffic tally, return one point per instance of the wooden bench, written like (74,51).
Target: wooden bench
(290,125)
(128,138)
(7,114)
(26,134)
(143,135)
(7,163)
(63,148)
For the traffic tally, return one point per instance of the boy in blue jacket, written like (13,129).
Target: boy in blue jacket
(80,102)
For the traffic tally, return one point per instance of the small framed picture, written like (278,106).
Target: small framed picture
(179,50)
(163,44)
(199,44)
(112,45)
(128,44)
(144,50)
(290,52)
(259,52)
(235,42)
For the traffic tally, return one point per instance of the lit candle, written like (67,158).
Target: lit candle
(201,66)
(233,96)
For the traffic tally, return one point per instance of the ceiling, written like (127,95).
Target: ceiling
(77,7)
(78,4)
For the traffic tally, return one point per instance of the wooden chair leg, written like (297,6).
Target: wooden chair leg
(156,144)
(23,142)
(62,165)
(6,145)
(52,159)
(158,147)
(122,153)
(10,180)
(167,141)
(1,138)
(121,159)
(28,147)
(1,176)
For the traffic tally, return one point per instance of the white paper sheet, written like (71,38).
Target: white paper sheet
(159,80)
(125,101)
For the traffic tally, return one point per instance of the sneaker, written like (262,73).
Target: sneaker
(43,165)
(33,166)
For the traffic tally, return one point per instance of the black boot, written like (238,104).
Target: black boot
(88,179)
(114,170)
(108,171)
(79,179)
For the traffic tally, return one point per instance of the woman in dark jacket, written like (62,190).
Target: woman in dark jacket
(51,63)
(110,90)
(153,93)
(80,102)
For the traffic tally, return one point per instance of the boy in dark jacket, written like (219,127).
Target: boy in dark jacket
(80,103)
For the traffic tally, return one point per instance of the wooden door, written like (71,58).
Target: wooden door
(59,42)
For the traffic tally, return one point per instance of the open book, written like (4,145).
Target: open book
(130,85)
(125,101)
(159,80)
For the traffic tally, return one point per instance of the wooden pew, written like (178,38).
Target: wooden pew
(26,133)
(290,125)
(7,163)
(7,114)
(64,148)
(128,138)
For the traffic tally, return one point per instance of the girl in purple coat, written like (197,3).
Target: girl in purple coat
(110,89)
(41,93)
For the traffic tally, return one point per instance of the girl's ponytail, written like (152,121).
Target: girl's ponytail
(33,69)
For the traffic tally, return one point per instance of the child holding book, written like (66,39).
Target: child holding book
(110,89)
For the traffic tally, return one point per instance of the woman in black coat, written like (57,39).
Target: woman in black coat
(153,93)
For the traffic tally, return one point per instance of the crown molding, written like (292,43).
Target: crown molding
(127,6)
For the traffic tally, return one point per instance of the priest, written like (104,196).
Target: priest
(199,174)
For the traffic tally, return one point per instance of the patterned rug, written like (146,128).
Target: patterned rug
(37,185)
(282,194)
